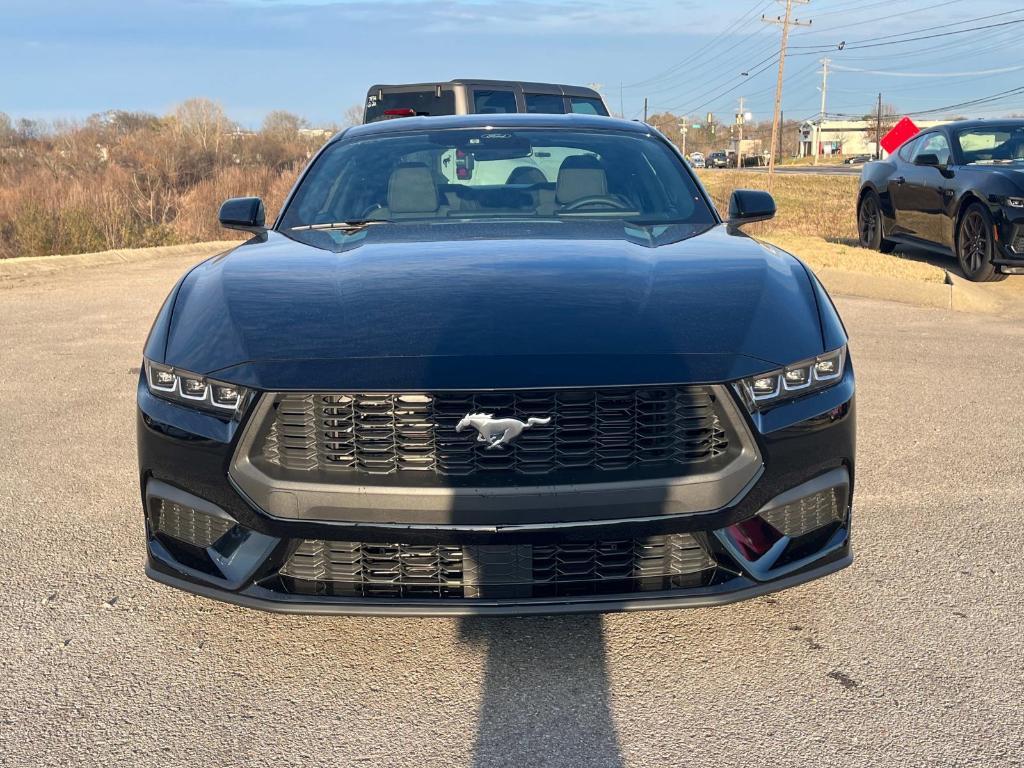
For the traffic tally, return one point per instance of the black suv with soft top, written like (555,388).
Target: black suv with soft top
(479,97)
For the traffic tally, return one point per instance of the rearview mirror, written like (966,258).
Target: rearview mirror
(749,205)
(244,213)
(930,160)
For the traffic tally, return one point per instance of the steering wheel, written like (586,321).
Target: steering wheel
(607,201)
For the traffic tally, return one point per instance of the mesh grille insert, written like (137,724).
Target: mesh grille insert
(382,434)
(496,571)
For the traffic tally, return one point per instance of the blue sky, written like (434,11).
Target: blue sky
(70,58)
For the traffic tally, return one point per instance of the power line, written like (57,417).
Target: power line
(856,46)
(931,29)
(973,102)
(731,29)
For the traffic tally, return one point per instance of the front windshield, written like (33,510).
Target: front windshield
(493,174)
(992,145)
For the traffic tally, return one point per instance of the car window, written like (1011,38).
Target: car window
(583,106)
(992,145)
(545,103)
(494,102)
(907,150)
(933,144)
(487,174)
(406,103)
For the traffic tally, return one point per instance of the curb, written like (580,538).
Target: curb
(955,294)
(28,266)
(922,294)
(971,297)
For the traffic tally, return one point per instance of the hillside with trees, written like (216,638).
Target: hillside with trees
(130,179)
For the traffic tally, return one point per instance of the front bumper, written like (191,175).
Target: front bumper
(807,446)
(741,589)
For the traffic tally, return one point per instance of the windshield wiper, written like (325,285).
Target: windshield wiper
(345,225)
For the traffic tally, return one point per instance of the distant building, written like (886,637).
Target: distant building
(843,138)
(316,133)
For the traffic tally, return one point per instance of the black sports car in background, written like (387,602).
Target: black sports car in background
(496,364)
(957,189)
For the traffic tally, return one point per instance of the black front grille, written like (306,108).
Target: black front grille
(584,430)
(354,569)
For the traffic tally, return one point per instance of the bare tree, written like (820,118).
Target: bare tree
(283,125)
(352,116)
(202,121)
(889,119)
(6,130)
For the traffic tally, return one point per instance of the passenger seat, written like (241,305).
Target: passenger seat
(412,193)
(580,176)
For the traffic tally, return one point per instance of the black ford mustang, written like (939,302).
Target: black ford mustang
(957,189)
(496,364)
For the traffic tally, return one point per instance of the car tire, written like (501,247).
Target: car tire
(976,246)
(869,224)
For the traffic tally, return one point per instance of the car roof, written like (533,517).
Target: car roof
(575,90)
(508,120)
(978,123)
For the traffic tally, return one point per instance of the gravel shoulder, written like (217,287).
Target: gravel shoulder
(911,657)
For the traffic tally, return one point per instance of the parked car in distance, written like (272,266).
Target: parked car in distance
(496,364)
(857,159)
(957,189)
(482,97)
(697,159)
(718,160)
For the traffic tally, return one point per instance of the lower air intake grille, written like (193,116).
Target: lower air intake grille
(659,429)
(186,524)
(805,515)
(496,571)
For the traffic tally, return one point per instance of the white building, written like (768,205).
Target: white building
(842,138)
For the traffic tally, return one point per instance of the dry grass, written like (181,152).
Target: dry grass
(819,254)
(821,206)
(817,221)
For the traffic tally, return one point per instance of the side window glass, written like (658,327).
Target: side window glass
(494,102)
(934,144)
(584,106)
(906,152)
(544,103)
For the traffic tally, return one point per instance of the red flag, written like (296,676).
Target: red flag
(903,130)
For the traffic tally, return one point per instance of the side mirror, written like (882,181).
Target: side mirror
(930,160)
(749,205)
(244,213)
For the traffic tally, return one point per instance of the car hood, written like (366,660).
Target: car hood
(474,306)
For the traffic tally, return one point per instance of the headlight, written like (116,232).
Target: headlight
(1014,202)
(194,390)
(767,389)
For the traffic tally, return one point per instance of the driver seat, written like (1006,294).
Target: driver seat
(580,176)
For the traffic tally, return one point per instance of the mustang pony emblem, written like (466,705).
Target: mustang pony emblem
(496,432)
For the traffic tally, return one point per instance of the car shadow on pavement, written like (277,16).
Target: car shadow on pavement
(545,694)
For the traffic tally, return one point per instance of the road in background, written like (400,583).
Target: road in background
(910,657)
(809,170)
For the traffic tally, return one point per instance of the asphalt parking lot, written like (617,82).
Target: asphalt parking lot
(911,657)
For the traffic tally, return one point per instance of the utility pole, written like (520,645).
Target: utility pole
(683,125)
(785,22)
(622,108)
(645,109)
(878,130)
(739,147)
(821,115)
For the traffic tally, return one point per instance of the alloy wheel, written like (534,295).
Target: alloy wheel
(974,243)
(868,222)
